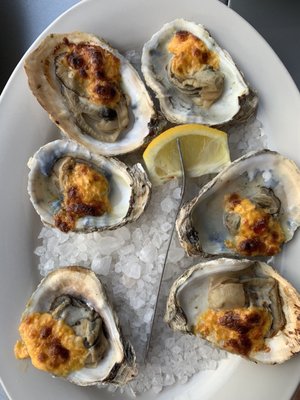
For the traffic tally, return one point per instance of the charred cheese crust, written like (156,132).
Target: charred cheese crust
(190,54)
(85,193)
(96,70)
(241,330)
(52,345)
(259,232)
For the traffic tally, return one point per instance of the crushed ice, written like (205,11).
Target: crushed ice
(130,261)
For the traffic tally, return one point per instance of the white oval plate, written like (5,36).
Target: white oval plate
(25,127)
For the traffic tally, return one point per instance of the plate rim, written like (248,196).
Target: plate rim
(17,70)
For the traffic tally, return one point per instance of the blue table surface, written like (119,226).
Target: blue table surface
(23,20)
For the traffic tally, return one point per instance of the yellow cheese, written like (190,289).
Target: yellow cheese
(91,186)
(21,350)
(96,71)
(190,54)
(52,345)
(259,232)
(85,193)
(241,330)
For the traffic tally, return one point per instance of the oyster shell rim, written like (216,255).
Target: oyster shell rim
(247,100)
(58,117)
(138,182)
(122,371)
(177,320)
(188,235)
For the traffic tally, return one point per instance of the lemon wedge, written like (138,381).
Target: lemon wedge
(204,150)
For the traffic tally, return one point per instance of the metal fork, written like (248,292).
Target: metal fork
(183,185)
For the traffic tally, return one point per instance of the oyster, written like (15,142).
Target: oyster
(251,208)
(76,190)
(70,329)
(241,306)
(91,92)
(194,79)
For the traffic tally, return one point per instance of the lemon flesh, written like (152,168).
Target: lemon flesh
(204,150)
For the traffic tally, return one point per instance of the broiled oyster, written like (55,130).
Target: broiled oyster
(73,189)
(251,208)
(241,306)
(70,330)
(194,79)
(91,92)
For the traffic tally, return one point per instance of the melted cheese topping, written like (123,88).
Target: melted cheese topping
(96,70)
(190,54)
(259,232)
(52,345)
(241,330)
(85,193)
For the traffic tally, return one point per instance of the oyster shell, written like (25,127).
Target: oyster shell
(103,193)
(91,92)
(194,79)
(77,297)
(242,306)
(251,208)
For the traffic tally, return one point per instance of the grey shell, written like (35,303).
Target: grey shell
(200,224)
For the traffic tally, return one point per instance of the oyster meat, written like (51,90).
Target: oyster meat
(69,329)
(241,306)
(91,92)
(73,189)
(249,209)
(194,79)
